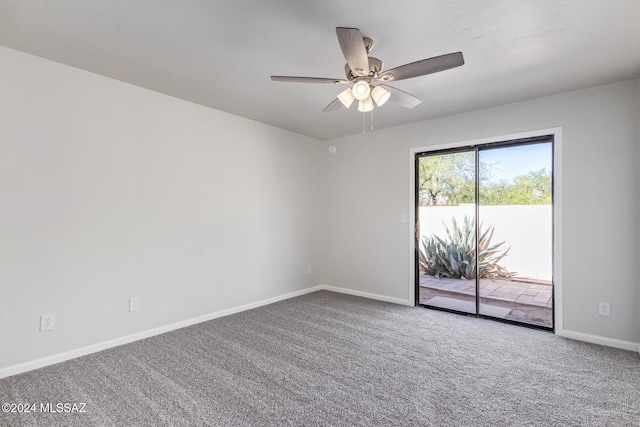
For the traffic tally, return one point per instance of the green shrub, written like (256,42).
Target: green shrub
(455,255)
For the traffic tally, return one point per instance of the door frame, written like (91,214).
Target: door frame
(557,208)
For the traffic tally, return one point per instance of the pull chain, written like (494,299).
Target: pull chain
(364,122)
(371,120)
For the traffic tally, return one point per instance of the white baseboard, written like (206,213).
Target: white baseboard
(94,348)
(595,339)
(367,295)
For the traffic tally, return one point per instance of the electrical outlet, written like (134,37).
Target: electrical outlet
(134,304)
(604,309)
(309,269)
(47,322)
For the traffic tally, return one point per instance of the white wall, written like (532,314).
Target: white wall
(110,191)
(366,190)
(530,247)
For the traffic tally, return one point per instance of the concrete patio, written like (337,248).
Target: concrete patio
(520,300)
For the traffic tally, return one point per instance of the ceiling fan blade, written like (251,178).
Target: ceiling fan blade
(294,79)
(426,66)
(335,105)
(354,50)
(401,97)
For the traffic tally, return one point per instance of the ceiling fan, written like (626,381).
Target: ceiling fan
(366,74)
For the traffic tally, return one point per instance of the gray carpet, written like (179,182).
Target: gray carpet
(332,359)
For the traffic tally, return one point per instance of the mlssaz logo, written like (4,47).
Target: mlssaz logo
(63,407)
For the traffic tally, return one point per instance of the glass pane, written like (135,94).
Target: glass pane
(515,245)
(446,193)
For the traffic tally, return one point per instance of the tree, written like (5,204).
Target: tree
(532,188)
(446,179)
(449,180)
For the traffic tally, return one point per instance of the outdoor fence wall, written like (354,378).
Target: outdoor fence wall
(526,229)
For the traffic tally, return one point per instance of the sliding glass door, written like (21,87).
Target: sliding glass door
(484,230)
(446,258)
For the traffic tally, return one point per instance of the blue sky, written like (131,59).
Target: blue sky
(509,162)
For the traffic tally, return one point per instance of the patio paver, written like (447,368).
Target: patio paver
(514,291)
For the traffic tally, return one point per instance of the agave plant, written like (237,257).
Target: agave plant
(454,256)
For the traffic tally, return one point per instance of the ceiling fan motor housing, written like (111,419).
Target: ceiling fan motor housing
(375,67)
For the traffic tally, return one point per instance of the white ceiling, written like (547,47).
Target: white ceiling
(221,53)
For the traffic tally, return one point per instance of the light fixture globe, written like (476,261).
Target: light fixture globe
(380,95)
(346,97)
(365,105)
(361,90)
